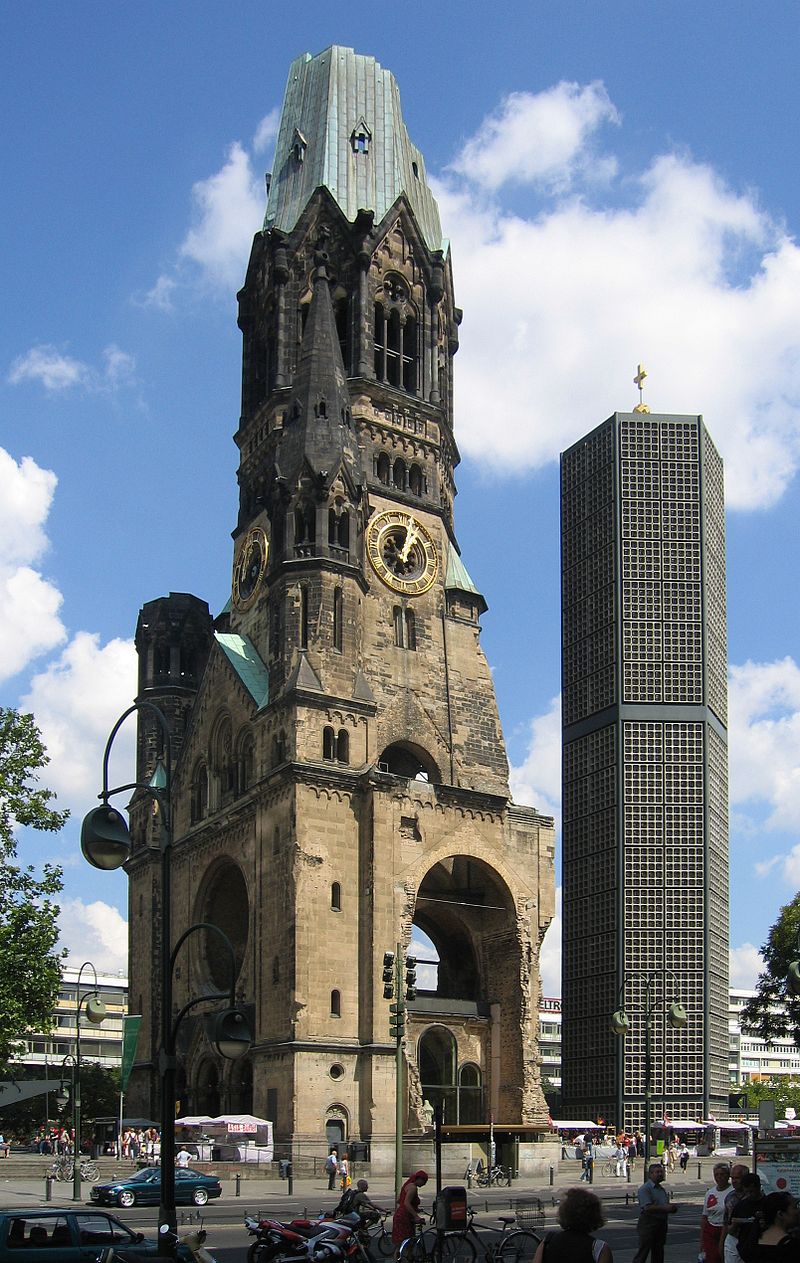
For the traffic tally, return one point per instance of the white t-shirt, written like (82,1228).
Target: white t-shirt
(184,1158)
(714,1205)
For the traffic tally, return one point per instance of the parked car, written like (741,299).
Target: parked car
(65,1236)
(144,1188)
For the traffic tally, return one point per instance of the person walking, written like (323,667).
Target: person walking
(588,1161)
(331,1167)
(344,1173)
(580,1214)
(740,1210)
(654,1210)
(712,1219)
(407,1213)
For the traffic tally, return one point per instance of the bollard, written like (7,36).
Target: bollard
(48,1188)
(469,1176)
(628,1171)
(699,1170)
(238,1192)
(290,1182)
(552,1176)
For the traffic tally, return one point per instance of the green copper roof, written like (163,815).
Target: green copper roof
(342,127)
(245,661)
(457,576)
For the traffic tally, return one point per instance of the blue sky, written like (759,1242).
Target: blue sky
(619,183)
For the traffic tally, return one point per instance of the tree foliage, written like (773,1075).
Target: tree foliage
(775,1010)
(29,964)
(784,1092)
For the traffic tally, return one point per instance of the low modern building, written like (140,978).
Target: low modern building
(754,1058)
(102,1044)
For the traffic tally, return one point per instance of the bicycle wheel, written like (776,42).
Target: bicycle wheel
(90,1171)
(456,1248)
(382,1242)
(519,1246)
(64,1172)
(417,1249)
(608,1168)
(502,1177)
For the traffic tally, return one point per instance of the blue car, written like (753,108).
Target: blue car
(144,1189)
(67,1235)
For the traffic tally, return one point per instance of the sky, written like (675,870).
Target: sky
(619,183)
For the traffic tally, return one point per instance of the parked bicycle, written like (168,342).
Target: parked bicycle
(511,1245)
(63,1170)
(484,1177)
(380,1237)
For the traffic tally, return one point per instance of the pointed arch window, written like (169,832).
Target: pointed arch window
(396,348)
(338,632)
(336,1004)
(305,528)
(328,743)
(339,527)
(343,746)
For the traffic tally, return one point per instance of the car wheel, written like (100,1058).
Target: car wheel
(199,1197)
(126,1197)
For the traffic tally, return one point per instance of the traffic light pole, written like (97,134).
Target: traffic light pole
(398,1070)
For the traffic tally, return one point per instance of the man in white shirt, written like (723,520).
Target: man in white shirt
(184,1158)
(713,1216)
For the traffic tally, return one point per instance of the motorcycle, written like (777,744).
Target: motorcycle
(306,1240)
(193,1243)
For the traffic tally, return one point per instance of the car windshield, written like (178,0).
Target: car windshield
(144,1177)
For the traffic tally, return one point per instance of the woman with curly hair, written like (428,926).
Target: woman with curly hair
(580,1213)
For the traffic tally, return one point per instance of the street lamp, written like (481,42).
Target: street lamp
(105,842)
(96,1013)
(620,1024)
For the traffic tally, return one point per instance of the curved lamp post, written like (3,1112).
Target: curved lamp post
(106,844)
(620,1024)
(96,1013)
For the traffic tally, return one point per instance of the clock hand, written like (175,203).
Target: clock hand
(412,535)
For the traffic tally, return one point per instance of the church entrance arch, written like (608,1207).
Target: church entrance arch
(470,997)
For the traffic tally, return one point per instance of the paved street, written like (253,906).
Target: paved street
(229,1241)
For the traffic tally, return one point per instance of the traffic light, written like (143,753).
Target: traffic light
(411,977)
(388,975)
(397,1021)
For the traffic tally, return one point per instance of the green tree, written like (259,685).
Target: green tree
(784,1092)
(775,1010)
(29,964)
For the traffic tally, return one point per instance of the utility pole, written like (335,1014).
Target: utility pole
(399,985)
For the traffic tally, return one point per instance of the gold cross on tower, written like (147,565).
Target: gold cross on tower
(639,381)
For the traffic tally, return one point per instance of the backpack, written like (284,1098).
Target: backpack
(345,1202)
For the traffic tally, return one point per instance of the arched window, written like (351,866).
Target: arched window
(199,802)
(383,469)
(415,480)
(305,525)
(245,763)
(338,527)
(338,600)
(395,337)
(470,1094)
(336,1004)
(279,748)
(343,746)
(405,629)
(328,743)
(336,896)
(399,474)
(224,768)
(303,616)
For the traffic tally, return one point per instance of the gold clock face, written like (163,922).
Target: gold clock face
(249,567)
(402,552)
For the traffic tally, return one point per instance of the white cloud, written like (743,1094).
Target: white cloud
(746,964)
(76,700)
(550,956)
(94,931)
(160,296)
(30,624)
(229,209)
(537,781)
(673,268)
(539,138)
(267,130)
(49,366)
(764,719)
(57,372)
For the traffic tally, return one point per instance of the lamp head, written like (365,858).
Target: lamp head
(62,1096)
(677,1016)
(96,1011)
(105,840)
(620,1023)
(232,1036)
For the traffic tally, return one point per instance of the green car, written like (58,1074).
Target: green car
(192,1188)
(63,1236)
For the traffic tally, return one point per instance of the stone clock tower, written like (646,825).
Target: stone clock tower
(341,776)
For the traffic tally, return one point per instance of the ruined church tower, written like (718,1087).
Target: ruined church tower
(341,776)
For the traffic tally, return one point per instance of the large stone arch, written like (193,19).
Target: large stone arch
(223,900)
(486,994)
